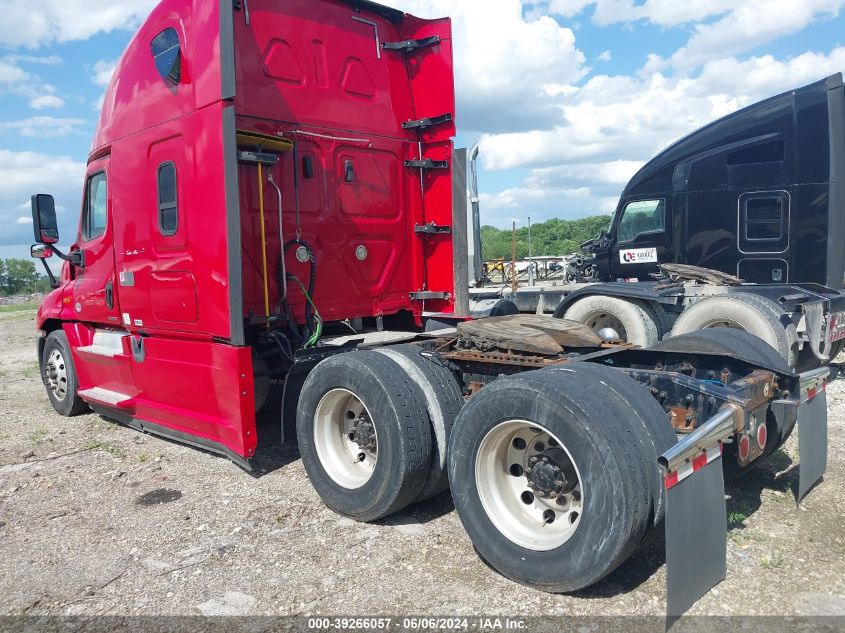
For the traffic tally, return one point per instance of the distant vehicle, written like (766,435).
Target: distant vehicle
(758,194)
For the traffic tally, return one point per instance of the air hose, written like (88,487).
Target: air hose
(313,323)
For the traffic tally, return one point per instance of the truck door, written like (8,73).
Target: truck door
(641,239)
(94,296)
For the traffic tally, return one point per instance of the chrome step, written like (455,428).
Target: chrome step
(107,343)
(105,396)
(100,350)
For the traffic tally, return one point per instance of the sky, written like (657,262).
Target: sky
(568,98)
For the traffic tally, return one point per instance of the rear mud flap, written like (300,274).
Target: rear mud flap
(696,532)
(812,441)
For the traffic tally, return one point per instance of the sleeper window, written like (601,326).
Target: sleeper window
(764,223)
(168,213)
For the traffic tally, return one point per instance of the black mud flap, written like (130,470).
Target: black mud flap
(812,440)
(696,532)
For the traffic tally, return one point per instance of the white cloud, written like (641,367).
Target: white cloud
(44,126)
(503,62)
(27,173)
(615,173)
(46,101)
(24,220)
(630,119)
(721,27)
(103,71)
(747,26)
(34,24)
(606,56)
(541,204)
(45,60)
(661,12)
(10,72)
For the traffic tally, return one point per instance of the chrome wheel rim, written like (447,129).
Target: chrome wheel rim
(507,477)
(345,438)
(55,374)
(599,321)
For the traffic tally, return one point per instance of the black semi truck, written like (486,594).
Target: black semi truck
(758,195)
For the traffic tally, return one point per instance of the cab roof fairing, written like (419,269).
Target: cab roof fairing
(654,175)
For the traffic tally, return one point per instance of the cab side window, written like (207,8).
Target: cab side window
(168,212)
(96,207)
(642,216)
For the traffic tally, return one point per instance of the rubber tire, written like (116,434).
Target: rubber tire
(759,316)
(641,322)
(750,348)
(72,403)
(609,450)
(444,401)
(403,434)
(643,409)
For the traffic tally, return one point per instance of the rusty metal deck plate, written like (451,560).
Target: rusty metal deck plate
(533,334)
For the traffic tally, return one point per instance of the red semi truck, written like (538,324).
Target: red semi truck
(273,202)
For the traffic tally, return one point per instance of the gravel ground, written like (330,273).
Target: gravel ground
(96,518)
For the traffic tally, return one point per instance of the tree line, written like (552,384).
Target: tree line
(553,237)
(20,276)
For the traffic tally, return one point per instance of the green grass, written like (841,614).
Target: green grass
(96,445)
(772,562)
(736,519)
(33,370)
(743,537)
(38,435)
(18,307)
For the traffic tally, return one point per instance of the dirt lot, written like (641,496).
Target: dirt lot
(96,518)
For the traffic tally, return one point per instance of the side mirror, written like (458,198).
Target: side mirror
(44,219)
(40,251)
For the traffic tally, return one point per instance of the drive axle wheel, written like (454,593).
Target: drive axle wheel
(345,438)
(529,485)
(443,399)
(59,375)
(364,435)
(554,473)
(757,315)
(613,318)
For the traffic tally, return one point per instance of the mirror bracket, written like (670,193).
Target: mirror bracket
(54,283)
(76,258)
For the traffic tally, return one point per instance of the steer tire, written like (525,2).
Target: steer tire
(402,428)
(642,324)
(443,400)
(613,452)
(757,315)
(56,347)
